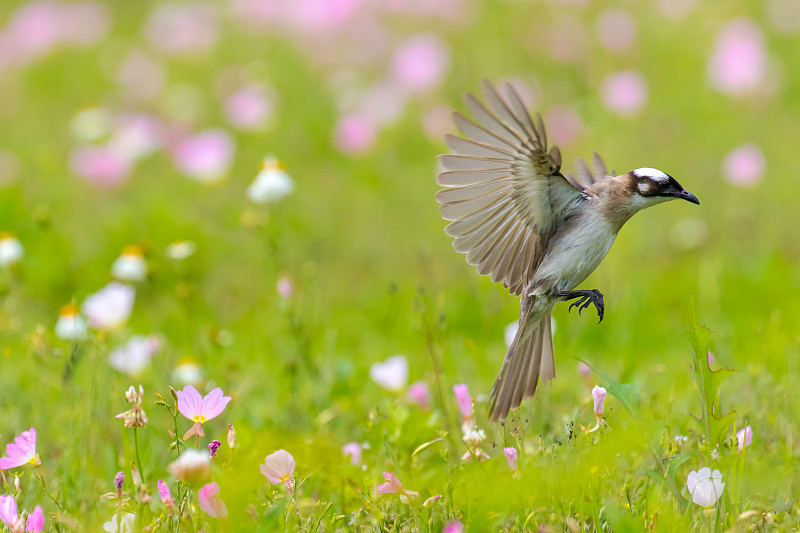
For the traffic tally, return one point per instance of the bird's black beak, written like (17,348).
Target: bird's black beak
(686,195)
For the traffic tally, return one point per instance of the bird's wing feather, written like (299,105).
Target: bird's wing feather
(503,190)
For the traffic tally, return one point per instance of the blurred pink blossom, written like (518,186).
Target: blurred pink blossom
(744,437)
(393,486)
(136,135)
(563,124)
(9,514)
(249,108)
(140,77)
(675,9)
(84,23)
(391,374)
(100,165)
(599,399)
(21,452)
(419,393)
(210,501)
(320,15)
(567,40)
(353,450)
(260,13)
(384,102)
(710,357)
(464,400)
(454,527)
(744,166)
(165,494)
(278,468)
(205,156)
(181,27)
(285,287)
(511,457)
(584,370)
(419,62)
(616,29)
(738,64)
(110,307)
(35,523)
(625,92)
(33,29)
(200,409)
(133,357)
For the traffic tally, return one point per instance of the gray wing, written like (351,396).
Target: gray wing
(587,178)
(502,188)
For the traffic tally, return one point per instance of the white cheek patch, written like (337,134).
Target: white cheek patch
(644,188)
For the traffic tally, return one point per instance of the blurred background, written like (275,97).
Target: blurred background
(145,124)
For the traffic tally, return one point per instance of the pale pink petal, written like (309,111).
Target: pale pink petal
(353,450)
(189,402)
(391,486)
(625,93)
(214,403)
(355,133)
(278,467)
(35,523)
(101,166)
(209,500)
(249,108)
(420,62)
(419,393)
(599,398)
(738,65)
(511,457)
(453,527)
(8,510)
(205,156)
(464,400)
(745,165)
(164,492)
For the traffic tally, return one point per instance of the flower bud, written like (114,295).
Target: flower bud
(231,437)
(599,397)
(213,447)
(119,480)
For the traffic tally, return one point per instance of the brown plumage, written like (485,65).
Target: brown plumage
(522,222)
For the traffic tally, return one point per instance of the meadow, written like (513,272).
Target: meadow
(228,207)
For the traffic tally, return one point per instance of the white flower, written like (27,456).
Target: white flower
(192,466)
(705,486)
(391,374)
(180,250)
(187,372)
(125,525)
(271,184)
(130,266)
(110,307)
(473,437)
(133,357)
(11,250)
(70,326)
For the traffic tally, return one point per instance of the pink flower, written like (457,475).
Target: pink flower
(464,400)
(278,467)
(393,486)
(453,527)
(166,495)
(110,307)
(420,62)
(23,451)
(101,166)
(738,65)
(563,124)
(355,133)
(8,512)
(744,166)
(140,77)
(205,156)
(419,393)
(744,437)
(136,136)
(200,409)
(584,370)
(511,457)
(599,398)
(321,15)
(134,357)
(625,93)
(353,450)
(616,29)
(285,287)
(35,523)
(84,23)
(33,30)
(249,108)
(181,27)
(209,500)
(710,357)
(391,374)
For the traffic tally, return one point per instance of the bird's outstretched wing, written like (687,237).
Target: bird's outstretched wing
(586,177)
(503,189)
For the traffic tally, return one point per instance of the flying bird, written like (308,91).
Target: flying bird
(526,224)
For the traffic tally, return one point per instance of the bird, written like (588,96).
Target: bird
(538,231)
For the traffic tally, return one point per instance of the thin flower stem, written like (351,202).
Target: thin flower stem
(40,475)
(136,448)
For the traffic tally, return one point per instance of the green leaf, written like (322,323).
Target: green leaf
(714,422)
(624,392)
(422,447)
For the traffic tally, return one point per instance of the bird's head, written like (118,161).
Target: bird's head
(650,186)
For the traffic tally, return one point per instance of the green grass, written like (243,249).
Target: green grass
(375,276)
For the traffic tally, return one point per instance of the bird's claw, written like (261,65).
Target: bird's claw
(590,297)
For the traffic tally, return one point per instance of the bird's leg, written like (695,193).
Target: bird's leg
(585,299)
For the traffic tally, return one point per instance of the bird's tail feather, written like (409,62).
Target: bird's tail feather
(529,359)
